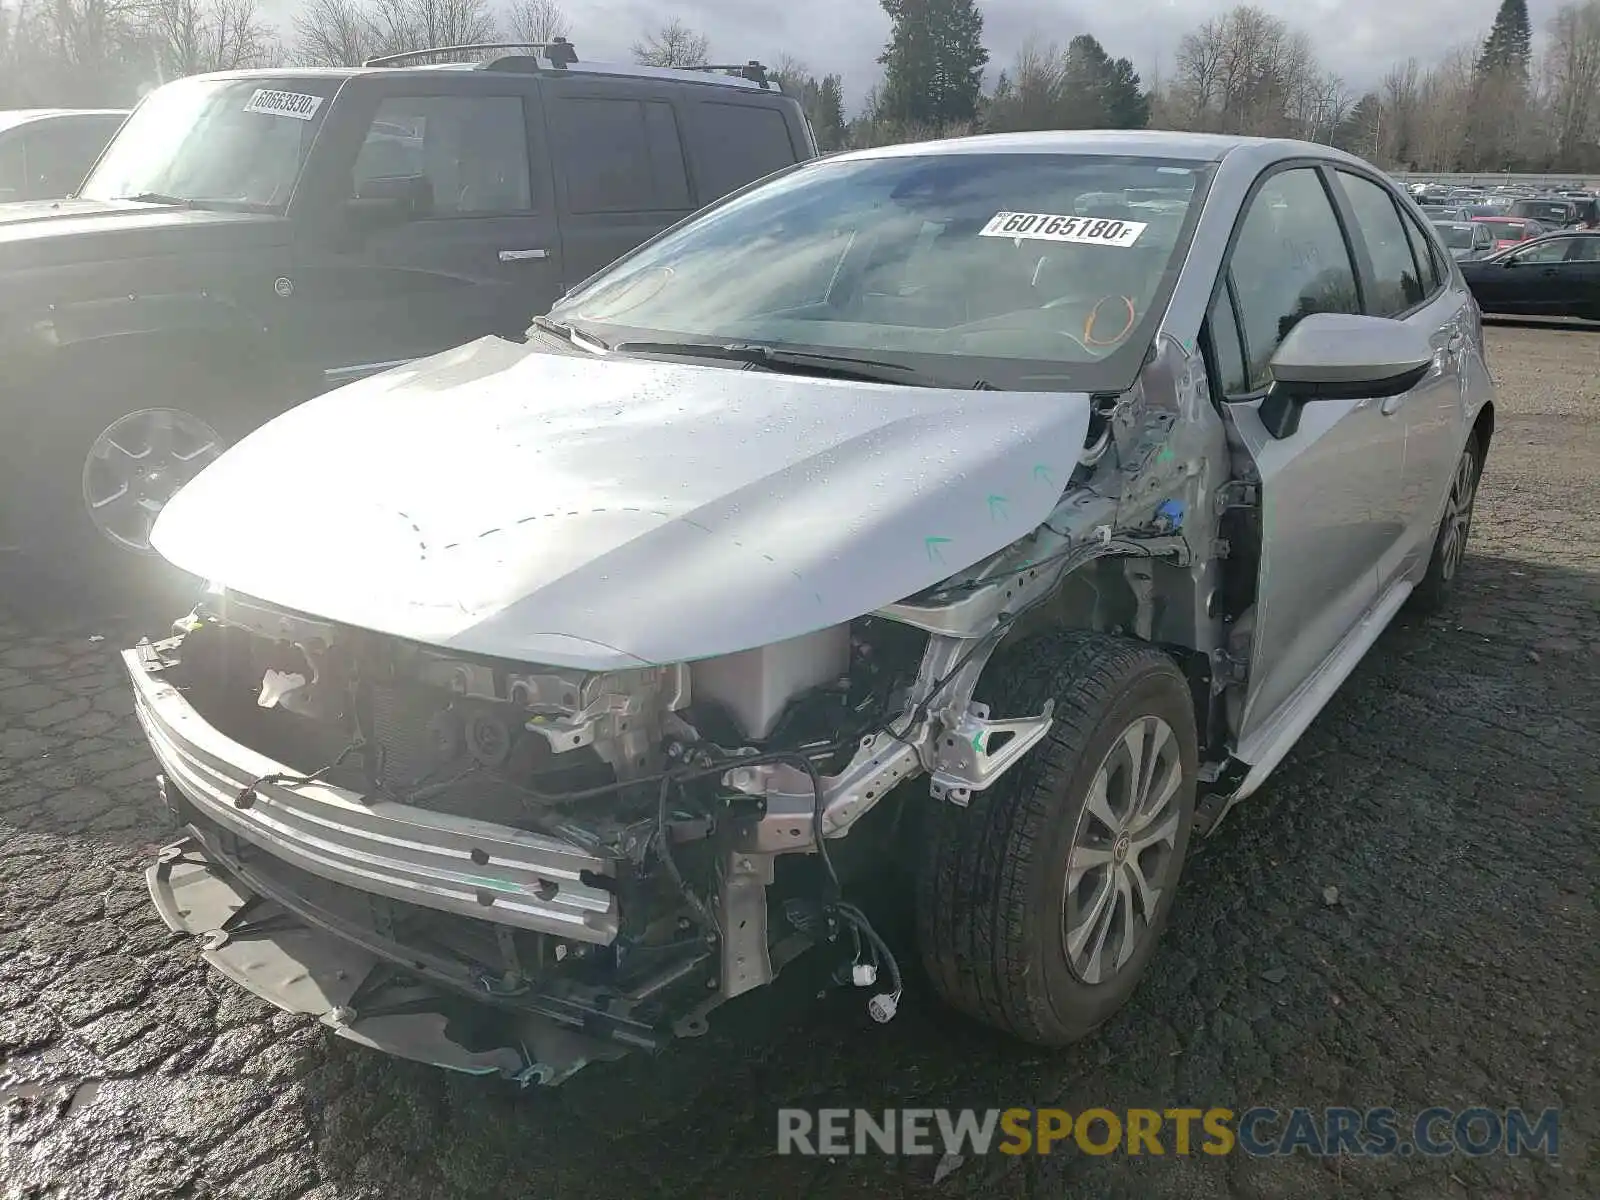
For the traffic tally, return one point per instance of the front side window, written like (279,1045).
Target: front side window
(1290,260)
(1553,251)
(230,143)
(466,155)
(946,261)
(1396,285)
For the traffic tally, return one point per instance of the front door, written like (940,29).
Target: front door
(437,223)
(1329,491)
(1406,278)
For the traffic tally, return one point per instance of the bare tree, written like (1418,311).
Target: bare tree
(1031,96)
(538,21)
(191,36)
(334,33)
(400,25)
(1572,77)
(673,45)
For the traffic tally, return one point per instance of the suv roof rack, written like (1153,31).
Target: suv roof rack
(752,70)
(557,51)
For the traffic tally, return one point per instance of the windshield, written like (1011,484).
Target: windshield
(1455,237)
(1557,212)
(224,143)
(1022,270)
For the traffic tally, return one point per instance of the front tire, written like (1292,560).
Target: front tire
(1040,904)
(143,428)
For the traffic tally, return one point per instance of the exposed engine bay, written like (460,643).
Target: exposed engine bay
(705,795)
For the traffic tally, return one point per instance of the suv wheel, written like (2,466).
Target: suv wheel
(1040,903)
(102,466)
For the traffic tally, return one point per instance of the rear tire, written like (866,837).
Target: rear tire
(1450,542)
(1004,937)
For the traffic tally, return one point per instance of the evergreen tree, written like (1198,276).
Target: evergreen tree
(933,64)
(1100,92)
(1509,45)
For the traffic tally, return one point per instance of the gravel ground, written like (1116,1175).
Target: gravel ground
(1451,794)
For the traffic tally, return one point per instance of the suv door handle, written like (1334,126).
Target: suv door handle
(522,255)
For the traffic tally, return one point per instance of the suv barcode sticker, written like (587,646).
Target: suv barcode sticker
(284,104)
(1053,227)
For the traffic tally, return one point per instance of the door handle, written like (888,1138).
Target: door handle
(1391,404)
(522,255)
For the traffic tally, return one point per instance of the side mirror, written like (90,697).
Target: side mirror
(1340,356)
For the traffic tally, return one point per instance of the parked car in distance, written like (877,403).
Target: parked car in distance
(1556,212)
(1444,212)
(1508,231)
(46,152)
(1465,239)
(1555,276)
(251,238)
(523,720)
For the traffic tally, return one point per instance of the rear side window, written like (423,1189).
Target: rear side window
(1429,260)
(60,153)
(1396,284)
(619,155)
(740,143)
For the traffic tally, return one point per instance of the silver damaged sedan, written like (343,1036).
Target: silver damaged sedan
(1002,510)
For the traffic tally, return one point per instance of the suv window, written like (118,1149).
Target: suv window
(747,142)
(1290,261)
(471,151)
(1396,285)
(619,155)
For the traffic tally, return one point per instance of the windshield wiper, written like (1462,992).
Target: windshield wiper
(569,333)
(158,198)
(777,358)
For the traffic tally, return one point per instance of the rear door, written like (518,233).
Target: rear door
(1584,265)
(434,221)
(1404,277)
(620,172)
(1330,490)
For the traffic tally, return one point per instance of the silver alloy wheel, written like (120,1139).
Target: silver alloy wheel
(1458,515)
(137,464)
(1122,850)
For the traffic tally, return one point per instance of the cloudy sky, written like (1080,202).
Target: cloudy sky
(1357,38)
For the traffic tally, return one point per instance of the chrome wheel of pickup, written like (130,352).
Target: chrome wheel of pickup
(137,464)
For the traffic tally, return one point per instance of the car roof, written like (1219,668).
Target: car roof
(1135,143)
(12,117)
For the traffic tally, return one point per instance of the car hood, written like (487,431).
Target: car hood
(38,233)
(599,512)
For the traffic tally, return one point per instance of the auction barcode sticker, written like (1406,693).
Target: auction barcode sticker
(284,104)
(1054,227)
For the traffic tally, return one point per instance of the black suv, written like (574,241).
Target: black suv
(251,238)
